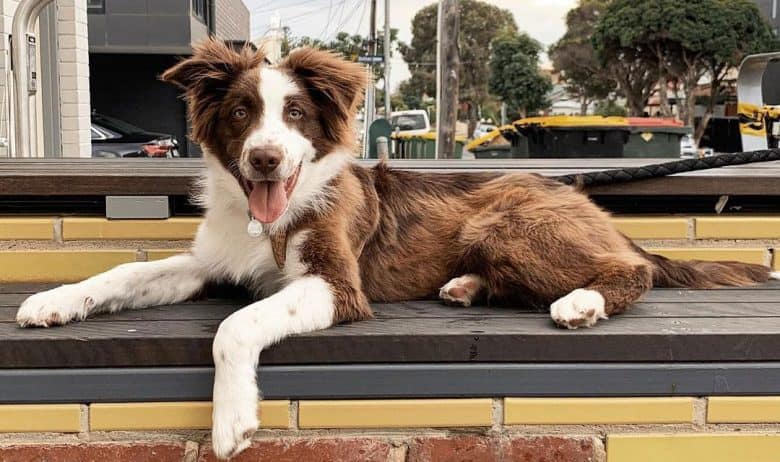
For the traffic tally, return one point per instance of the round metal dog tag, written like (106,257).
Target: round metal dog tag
(254,228)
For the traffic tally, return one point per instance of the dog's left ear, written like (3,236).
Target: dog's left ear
(334,84)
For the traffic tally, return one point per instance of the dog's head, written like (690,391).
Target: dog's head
(265,124)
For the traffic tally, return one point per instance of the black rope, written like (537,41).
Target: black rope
(623,175)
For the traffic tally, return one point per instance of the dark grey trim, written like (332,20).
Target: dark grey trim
(397,381)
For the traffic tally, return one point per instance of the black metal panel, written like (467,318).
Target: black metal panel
(397,381)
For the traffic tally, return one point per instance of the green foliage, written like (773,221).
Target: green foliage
(609,107)
(629,64)
(682,40)
(349,46)
(480,24)
(573,55)
(515,75)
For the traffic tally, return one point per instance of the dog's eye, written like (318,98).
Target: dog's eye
(239,113)
(295,114)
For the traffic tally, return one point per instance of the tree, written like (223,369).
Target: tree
(480,24)
(629,64)
(574,57)
(687,40)
(515,75)
(349,46)
(748,33)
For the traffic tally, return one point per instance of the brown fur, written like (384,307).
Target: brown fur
(393,235)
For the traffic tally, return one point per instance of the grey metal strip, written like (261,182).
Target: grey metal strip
(396,381)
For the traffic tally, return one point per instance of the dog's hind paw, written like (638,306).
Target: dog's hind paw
(580,308)
(462,290)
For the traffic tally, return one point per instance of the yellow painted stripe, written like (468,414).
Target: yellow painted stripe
(597,410)
(746,255)
(766,227)
(39,417)
(174,415)
(395,413)
(652,227)
(159,254)
(743,409)
(27,228)
(58,265)
(100,228)
(729,447)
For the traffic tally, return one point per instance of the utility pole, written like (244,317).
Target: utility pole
(387,50)
(369,106)
(371,97)
(447,64)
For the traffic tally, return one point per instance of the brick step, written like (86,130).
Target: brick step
(715,429)
(74,264)
(640,227)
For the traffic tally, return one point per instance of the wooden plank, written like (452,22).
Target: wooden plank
(530,339)
(175,177)
(220,309)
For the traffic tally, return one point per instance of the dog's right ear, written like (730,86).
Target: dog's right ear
(205,78)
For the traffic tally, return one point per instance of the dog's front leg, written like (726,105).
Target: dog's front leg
(131,285)
(305,305)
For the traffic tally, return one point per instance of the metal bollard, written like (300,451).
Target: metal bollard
(382,151)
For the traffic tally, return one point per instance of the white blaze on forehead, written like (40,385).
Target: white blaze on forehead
(275,88)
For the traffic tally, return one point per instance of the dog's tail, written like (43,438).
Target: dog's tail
(696,274)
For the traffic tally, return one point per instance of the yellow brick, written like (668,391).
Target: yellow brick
(395,413)
(652,228)
(27,228)
(597,410)
(746,255)
(726,447)
(765,227)
(39,417)
(100,228)
(159,254)
(58,265)
(174,415)
(743,409)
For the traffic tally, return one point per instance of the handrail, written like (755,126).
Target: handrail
(24,20)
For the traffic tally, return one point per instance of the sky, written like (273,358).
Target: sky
(543,20)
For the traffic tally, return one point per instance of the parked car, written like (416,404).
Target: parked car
(413,122)
(689,150)
(116,138)
(483,129)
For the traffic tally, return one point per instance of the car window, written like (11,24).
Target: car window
(96,135)
(116,125)
(408,122)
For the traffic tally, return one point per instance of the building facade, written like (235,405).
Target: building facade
(131,42)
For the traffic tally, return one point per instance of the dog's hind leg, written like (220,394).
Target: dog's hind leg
(611,292)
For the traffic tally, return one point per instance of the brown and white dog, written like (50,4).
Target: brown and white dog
(279,144)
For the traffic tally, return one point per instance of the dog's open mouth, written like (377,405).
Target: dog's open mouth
(268,199)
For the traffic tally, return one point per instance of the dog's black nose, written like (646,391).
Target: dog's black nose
(265,159)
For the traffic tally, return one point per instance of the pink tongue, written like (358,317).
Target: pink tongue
(268,201)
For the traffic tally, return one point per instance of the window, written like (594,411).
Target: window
(96,6)
(200,9)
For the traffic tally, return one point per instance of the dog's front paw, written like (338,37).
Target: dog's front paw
(234,418)
(55,307)
(580,308)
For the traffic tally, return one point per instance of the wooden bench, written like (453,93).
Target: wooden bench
(685,375)
(676,342)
